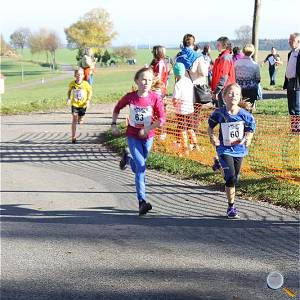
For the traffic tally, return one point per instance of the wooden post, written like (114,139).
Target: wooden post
(256,16)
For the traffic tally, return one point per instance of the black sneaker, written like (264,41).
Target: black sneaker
(124,159)
(216,166)
(144,207)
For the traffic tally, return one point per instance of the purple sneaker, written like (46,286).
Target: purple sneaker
(232,213)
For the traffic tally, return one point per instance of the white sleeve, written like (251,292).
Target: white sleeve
(176,92)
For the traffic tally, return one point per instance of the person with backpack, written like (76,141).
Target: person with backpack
(196,70)
(87,63)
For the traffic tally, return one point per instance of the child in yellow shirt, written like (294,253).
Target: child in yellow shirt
(79,95)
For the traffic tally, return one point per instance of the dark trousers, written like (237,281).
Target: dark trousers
(231,167)
(272,73)
(250,95)
(293,96)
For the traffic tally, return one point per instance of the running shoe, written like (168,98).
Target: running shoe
(232,213)
(124,159)
(216,166)
(144,207)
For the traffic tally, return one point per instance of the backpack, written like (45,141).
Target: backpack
(86,61)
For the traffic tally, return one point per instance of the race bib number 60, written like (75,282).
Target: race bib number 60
(232,132)
(140,117)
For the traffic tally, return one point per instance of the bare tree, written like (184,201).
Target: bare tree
(256,16)
(52,43)
(19,38)
(45,41)
(37,41)
(243,34)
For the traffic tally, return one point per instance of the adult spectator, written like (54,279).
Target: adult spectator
(196,69)
(194,63)
(87,62)
(274,61)
(209,61)
(223,70)
(247,74)
(292,81)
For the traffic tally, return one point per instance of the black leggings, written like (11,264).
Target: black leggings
(231,166)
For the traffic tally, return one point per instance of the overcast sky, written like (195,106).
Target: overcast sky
(155,21)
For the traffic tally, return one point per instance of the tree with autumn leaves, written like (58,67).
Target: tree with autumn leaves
(93,30)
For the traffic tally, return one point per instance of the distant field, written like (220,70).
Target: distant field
(110,83)
(144,56)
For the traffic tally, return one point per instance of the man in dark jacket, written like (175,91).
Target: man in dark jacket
(292,81)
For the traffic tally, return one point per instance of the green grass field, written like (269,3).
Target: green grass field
(110,83)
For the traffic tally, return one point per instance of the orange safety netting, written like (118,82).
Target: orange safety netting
(274,150)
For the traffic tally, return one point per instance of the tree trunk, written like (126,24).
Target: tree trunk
(22,68)
(256,16)
(53,60)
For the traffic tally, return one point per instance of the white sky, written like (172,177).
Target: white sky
(155,21)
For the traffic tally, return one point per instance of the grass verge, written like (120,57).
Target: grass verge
(268,189)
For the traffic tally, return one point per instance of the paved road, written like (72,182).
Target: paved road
(70,228)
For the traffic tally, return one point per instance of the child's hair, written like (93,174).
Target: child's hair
(249,49)
(243,104)
(140,71)
(206,49)
(77,70)
(236,50)
(196,47)
(230,86)
(156,84)
(159,52)
(188,40)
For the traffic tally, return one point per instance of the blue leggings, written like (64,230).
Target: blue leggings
(139,150)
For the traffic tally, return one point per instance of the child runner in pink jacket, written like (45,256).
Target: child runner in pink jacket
(146,112)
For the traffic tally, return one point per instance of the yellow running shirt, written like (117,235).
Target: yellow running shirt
(80,93)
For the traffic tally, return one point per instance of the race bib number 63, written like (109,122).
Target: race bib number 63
(140,117)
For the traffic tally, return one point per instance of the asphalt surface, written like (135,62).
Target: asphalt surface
(70,228)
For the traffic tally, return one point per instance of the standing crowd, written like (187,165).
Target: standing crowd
(231,84)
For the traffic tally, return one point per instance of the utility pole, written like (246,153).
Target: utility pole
(256,17)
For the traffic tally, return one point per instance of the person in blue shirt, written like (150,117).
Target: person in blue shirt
(236,129)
